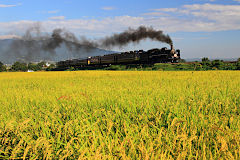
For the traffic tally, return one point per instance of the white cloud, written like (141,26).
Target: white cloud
(166,9)
(155,14)
(9,5)
(90,27)
(108,8)
(188,18)
(9,36)
(237,1)
(57,18)
(206,17)
(53,12)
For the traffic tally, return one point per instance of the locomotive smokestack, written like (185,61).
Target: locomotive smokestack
(172,48)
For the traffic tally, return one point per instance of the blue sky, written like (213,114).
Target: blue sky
(200,28)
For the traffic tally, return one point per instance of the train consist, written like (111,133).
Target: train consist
(152,56)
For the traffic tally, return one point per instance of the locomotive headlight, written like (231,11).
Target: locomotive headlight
(175,55)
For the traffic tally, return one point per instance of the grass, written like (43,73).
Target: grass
(120,115)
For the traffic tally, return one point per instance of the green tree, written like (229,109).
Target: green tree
(206,63)
(2,67)
(182,61)
(205,59)
(51,67)
(230,66)
(18,66)
(197,66)
(219,64)
(41,65)
(238,64)
(34,67)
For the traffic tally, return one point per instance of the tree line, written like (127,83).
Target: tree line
(205,64)
(23,67)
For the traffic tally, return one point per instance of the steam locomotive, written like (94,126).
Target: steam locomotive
(152,56)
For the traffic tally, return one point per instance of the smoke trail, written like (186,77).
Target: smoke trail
(58,37)
(27,48)
(34,43)
(131,35)
(135,36)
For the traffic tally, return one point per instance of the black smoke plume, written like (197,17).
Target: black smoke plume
(35,42)
(135,36)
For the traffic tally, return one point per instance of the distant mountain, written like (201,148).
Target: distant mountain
(12,50)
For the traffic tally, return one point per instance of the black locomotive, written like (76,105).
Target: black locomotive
(152,56)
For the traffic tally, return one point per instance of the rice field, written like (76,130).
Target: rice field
(120,115)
